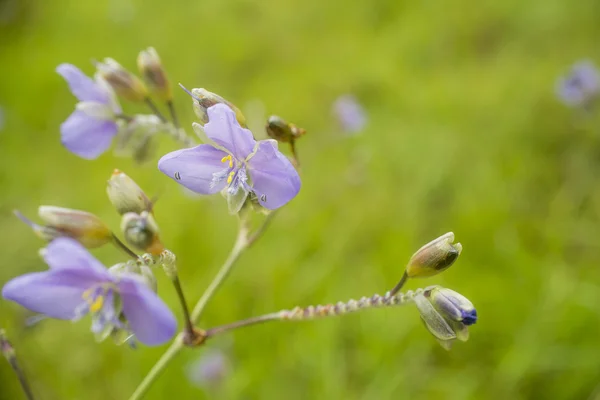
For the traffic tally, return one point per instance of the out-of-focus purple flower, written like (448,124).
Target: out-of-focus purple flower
(234,162)
(349,113)
(209,370)
(89,130)
(580,86)
(77,284)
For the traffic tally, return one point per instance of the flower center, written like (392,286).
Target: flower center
(101,302)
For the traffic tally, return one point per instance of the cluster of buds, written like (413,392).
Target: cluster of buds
(446,313)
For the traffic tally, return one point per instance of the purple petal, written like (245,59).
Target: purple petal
(86,136)
(66,253)
(194,167)
(149,318)
(274,178)
(83,87)
(55,293)
(224,129)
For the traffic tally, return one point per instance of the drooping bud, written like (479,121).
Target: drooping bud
(123,82)
(203,100)
(282,131)
(82,226)
(154,74)
(446,314)
(435,257)
(126,195)
(141,231)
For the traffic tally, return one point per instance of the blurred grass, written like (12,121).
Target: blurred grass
(464,134)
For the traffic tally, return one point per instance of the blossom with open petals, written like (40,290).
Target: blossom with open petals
(90,129)
(77,284)
(235,162)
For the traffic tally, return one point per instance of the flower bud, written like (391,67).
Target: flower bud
(123,82)
(154,74)
(446,314)
(282,131)
(141,272)
(141,231)
(434,257)
(82,226)
(126,195)
(203,100)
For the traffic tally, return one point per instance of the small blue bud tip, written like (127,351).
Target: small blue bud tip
(469,317)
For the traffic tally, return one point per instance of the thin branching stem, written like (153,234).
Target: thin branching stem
(189,327)
(400,284)
(9,353)
(173,113)
(123,247)
(155,109)
(243,241)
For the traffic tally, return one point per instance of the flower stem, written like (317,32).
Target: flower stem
(189,327)
(243,241)
(123,247)
(9,353)
(399,285)
(158,368)
(173,114)
(155,109)
(319,311)
(240,245)
(295,153)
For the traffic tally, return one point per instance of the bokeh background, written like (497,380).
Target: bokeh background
(464,134)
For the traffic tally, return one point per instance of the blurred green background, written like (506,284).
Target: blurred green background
(465,134)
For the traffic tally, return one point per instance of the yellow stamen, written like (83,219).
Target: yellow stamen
(228,158)
(86,295)
(230,177)
(97,304)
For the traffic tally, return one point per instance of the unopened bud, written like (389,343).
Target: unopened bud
(82,226)
(154,74)
(203,100)
(141,231)
(446,314)
(123,82)
(434,257)
(282,131)
(126,195)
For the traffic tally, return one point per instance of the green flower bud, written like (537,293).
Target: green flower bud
(141,231)
(154,74)
(435,257)
(82,226)
(282,131)
(203,99)
(446,314)
(126,195)
(123,82)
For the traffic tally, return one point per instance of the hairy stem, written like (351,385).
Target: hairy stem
(9,353)
(319,311)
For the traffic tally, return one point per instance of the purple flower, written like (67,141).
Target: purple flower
(349,113)
(89,130)
(580,86)
(209,370)
(77,284)
(235,162)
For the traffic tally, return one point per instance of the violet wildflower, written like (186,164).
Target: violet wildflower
(209,370)
(580,86)
(349,113)
(235,163)
(89,130)
(77,284)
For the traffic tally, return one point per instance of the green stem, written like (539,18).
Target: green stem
(155,109)
(242,242)
(173,114)
(399,285)
(10,354)
(218,330)
(189,327)
(158,368)
(123,247)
